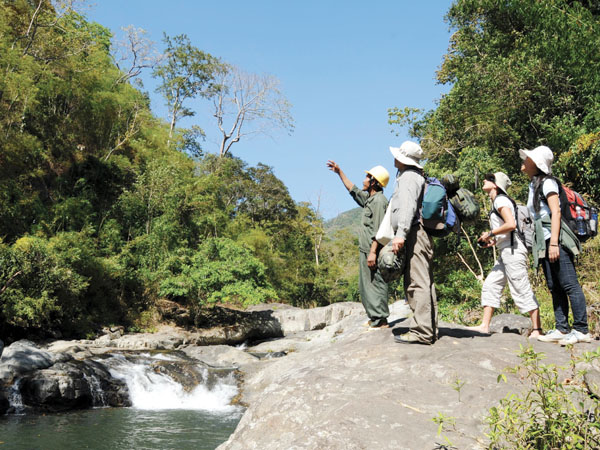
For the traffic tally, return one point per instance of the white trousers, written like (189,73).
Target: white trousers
(511,267)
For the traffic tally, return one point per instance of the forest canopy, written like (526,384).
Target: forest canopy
(106,209)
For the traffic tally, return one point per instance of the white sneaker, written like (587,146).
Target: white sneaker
(553,336)
(574,337)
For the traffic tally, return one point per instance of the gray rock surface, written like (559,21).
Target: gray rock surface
(510,323)
(220,355)
(349,387)
(24,356)
(294,320)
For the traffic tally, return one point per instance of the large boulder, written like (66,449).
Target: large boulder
(353,387)
(72,385)
(43,380)
(220,355)
(25,356)
(293,320)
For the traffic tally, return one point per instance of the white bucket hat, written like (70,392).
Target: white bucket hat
(409,153)
(542,157)
(502,181)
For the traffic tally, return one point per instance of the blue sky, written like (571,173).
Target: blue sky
(341,66)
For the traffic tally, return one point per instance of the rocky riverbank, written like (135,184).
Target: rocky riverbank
(317,378)
(64,375)
(348,387)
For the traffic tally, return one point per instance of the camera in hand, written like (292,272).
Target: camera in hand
(481,243)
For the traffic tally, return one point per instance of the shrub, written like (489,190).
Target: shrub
(552,413)
(220,271)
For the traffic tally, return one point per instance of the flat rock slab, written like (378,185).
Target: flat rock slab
(358,389)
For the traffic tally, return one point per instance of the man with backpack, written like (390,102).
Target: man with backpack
(411,237)
(373,289)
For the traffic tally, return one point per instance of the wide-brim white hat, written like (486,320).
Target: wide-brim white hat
(542,157)
(409,153)
(502,181)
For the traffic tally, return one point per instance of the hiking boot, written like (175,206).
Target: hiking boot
(574,337)
(552,336)
(409,338)
(379,323)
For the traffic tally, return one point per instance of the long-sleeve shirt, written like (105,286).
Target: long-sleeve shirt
(407,197)
(374,207)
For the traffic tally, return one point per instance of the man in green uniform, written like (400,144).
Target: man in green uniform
(373,290)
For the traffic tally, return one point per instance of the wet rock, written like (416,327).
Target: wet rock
(72,385)
(51,381)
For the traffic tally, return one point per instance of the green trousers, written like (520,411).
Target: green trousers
(373,291)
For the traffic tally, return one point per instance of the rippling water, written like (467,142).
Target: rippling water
(118,428)
(164,415)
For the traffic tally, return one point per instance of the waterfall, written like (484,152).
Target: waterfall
(14,398)
(99,398)
(152,386)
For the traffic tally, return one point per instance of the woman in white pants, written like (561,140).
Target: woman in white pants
(511,266)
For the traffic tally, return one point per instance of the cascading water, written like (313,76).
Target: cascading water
(152,385)
(14,398)
(176,403)
(98,395)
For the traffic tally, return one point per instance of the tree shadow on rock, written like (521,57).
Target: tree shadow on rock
(239,326)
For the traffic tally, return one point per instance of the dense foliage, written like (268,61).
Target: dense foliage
(102,209)
(105,208)
(522,73)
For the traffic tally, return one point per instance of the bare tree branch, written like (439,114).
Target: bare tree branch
(132,130)
(134,53)
(252,104)
(480,276)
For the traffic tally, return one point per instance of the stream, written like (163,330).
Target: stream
(176,404)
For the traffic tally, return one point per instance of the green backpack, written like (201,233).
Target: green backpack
(390,265)
(463,201)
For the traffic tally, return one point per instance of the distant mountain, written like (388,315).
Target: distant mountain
(349,220)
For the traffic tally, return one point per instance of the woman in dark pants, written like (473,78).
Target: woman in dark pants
(556,249)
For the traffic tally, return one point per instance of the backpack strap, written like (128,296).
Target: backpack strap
(516,210)
(420,199)
(560,190)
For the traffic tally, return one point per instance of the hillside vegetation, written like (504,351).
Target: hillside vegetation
(105,209)
(522,73)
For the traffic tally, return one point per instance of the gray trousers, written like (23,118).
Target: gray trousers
(418,285)
(373,290)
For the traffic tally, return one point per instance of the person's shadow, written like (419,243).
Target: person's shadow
(459,333)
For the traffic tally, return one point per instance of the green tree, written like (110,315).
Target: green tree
(522,73)
(186,73)
(221,271)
